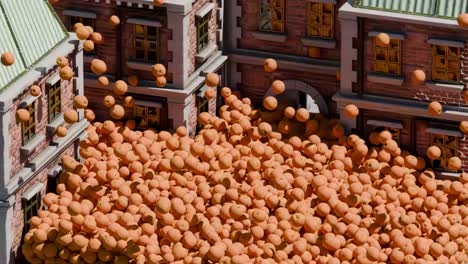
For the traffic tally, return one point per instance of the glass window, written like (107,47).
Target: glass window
(147,117)
(55,102)
(321,20)
(146,43)
(203,36)
(271,15)
(28,129)
(202,106)
(449,147)
(394,131)
(388,59)
(31,207)
(446,64)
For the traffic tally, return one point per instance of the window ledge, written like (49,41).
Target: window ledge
(450,175)
(385,78)
(35,189)
(206,53)
(446,87)
(270,36)
(139,65)
(51,127)
(318,42)
(399,36)
(445,42)
(27,101)
(32,144)
(55,171)
(445,132)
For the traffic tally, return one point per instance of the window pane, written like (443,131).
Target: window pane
(152,32)
(152,56)
(139,30)
(152,45)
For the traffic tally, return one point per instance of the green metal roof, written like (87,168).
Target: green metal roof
(437,8)
(29,29)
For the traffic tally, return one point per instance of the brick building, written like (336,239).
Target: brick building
(30,151)
(304,38)
(425,36)
(183,35)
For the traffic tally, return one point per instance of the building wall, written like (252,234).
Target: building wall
(296,21)
(18,160)
(256,83)
(416,53)
(213,27)
(18,214)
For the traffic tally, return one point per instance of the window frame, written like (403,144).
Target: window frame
(31,208)
(28,128)
(146,39)
(443,147)
(147,116)
(203,105)
(203,31)
(54,91)
(387,61)
(270,7)
(447,59)
(320,26)
(396,132)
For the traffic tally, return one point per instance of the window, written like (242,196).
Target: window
(321,20)
(271,15)
(446,64)
(449,147)
(28,129)
(72,20)
(203,36)
(202,106)
(31,207)
(394,131)
(54,99)
(388,59)
(147,117)
(146,43)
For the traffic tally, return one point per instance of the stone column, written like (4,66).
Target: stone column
(349,30)
(7,233)
(5,163)
(179,46)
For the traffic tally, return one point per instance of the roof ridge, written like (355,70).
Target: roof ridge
(2,9)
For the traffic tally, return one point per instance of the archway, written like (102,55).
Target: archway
(303,95)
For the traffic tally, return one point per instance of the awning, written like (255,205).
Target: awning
(148,103)
(387,124)
(144,22)
(442,131)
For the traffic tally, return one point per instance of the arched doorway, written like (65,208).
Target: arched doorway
(303,95)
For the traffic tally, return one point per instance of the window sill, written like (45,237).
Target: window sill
(270,36)
(385,78)
(205,53)
(32,145)
(35,189)
(51,127)
(139,65)
(27,101)
(446,87)
(318,42)
(450,175)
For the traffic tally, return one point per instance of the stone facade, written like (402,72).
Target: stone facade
(177,48)
(292,50)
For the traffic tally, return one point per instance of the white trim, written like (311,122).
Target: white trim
(26,102)
(204,10)
(54,171)
(399,36)
(148,103)
(446,132)
(144,22)
(54,78)
(79,13)
(444,42)
(35,189)
(382,123)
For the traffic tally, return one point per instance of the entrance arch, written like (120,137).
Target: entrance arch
(304,95)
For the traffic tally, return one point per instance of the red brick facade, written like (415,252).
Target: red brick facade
(255,82)
(42,120)
(416,54)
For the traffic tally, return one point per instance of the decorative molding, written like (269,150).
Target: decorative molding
(32,144)
(270,36)
(145,22)
(35,189)
(206,53)
(318,42)
(79,13)
(382,123)
(205,10)
(385,78)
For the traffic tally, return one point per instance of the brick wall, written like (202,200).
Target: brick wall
(107,50)
(296,20)
(18,214)
(41,107)
(255,83)
(416,53)
(213,27)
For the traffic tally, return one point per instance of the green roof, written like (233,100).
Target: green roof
(29,29)
(449,9)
